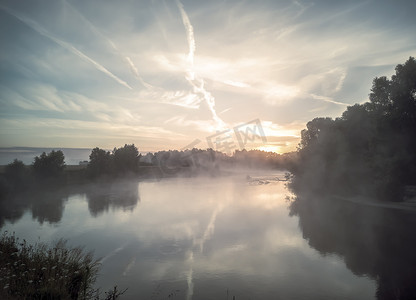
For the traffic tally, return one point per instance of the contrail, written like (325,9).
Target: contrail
(136,73)
(209,231)
(196,82)
(327,99)
(39,29)
(129,266)
(127,59)
(189,33)
(102,260)
(189,277)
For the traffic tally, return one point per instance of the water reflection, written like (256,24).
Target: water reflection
(201,238)
(378,242)
(45,206)
(102,197)
(48,205)
(198,238)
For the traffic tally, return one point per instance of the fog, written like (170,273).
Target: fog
(195,238)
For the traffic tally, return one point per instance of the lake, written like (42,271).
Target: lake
(202,238)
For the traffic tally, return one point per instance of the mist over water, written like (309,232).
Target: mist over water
(197,238)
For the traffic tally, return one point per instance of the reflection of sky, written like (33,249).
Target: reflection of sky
(203,237)
(162,73)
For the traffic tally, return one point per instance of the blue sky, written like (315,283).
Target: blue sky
(161,74)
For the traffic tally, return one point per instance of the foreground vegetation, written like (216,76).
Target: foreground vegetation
(369,150)
(42,272)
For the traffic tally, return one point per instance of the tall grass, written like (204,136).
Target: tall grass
(40,271)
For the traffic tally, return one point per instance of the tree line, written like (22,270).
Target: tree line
(49,169)
(369,150)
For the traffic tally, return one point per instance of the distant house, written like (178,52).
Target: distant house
(83,163)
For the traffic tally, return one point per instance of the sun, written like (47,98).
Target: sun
(269,148)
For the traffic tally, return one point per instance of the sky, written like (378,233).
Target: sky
(168,74)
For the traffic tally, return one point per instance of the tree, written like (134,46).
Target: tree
(380,95)
(49,165)
(126,159)
(101,162)
(315,129)
(16,174)
(371,148)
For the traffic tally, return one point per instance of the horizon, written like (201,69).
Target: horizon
(73,156)
(166,75)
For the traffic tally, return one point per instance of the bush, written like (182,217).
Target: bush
(42,272)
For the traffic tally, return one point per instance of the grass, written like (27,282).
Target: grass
(42,272)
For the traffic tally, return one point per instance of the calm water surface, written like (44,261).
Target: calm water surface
(194,238)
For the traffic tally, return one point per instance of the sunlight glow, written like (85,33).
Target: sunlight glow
(270,148)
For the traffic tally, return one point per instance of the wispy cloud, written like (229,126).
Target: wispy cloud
(98,32)
(197,83)
(35,26)
(203,126)
(181,71)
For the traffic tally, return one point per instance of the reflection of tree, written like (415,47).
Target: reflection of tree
(373,241)
(46,205)
(11,211)
(122,194)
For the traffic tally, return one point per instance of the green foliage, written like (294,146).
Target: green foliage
(49,165)
(371,148)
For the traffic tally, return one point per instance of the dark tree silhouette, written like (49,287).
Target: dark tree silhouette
(49,165)
(16,173)
(370,149)
(122,161)
(101,162)
(126,159)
